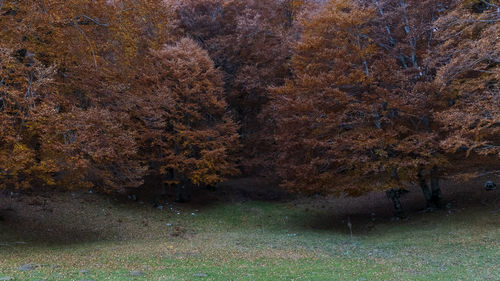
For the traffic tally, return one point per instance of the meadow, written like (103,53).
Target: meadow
(82,236)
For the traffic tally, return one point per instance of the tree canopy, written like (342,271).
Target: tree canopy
(333,97)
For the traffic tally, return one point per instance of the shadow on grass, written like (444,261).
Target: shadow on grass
(461,203)
(79,217)
(66,218)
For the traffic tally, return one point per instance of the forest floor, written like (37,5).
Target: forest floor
(232,235)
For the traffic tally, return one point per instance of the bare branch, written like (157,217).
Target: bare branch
(92,20)
(88,41)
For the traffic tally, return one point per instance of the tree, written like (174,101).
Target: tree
(25,89)
(329,127)
(405,32)
(348,123)
(84,130)
(187,131)
(467,74)
(250,42)
(106,57)
(365,109)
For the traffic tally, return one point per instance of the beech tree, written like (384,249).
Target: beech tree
(405,32)
(88,137)
(365,109)
(467,62)
(250,42)
(329,126)
(25,90)
(187,131)
(94,130)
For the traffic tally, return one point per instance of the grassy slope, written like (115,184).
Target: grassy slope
(248,241)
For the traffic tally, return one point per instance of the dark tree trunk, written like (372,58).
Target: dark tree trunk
(211,187)
(435,188)
(163,190)
(394,195)
(425,189)
(183,191)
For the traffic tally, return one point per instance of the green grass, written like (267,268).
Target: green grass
(265,241)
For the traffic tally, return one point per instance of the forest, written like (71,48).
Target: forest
(324,98)
(118,94)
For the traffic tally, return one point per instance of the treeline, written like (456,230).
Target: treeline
(333,97)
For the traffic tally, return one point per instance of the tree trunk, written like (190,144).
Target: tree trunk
(163,190)
(183,191)
(394,195)
(435,188)
(425,189)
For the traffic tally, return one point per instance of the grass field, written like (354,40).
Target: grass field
(89,237)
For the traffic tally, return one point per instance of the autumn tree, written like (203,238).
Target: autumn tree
(327,128)
(250,42)
(405,33)
(467,73)
(26,89)
(88,136)
(348,122)
(186,128)
(96,130)
(366,110)
(424,36)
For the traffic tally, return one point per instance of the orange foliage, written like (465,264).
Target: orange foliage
(185,126)
(25,90)
(468,74)
(250,42)
(339,97)
(92,127)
